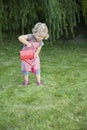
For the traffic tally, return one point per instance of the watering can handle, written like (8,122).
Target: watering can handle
(28,62)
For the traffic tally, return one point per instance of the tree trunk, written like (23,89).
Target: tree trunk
(1,10)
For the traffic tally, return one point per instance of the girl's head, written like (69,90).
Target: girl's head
(40,31)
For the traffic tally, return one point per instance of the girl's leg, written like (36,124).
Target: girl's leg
(38,77)
(25,78)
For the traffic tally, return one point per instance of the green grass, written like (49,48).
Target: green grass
(61,104)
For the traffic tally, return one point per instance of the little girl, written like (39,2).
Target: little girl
(35,41)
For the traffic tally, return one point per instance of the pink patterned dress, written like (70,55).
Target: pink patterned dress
(35,62)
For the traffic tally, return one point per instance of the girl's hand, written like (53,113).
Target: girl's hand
(23,39)
(35,55)
(28,45)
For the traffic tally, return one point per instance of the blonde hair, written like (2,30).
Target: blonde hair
(41,27)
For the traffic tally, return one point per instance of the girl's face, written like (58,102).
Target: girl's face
(39,36)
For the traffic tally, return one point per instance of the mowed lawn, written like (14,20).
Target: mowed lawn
(60,104)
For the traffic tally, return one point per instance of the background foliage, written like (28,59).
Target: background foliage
(84,9)
(61,16)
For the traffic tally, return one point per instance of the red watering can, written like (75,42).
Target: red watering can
(27,55)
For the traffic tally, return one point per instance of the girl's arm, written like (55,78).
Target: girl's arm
(23,39)
(37,51)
